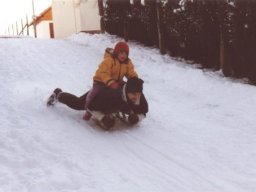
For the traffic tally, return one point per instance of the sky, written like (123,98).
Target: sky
(12,11)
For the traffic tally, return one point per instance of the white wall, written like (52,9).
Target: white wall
(64,18)
(43,30)
(72,16)
(90,15)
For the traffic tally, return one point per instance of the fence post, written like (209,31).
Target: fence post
(22,27)
(160,28)
(126,29)
(12,30)
(34,19)
(27,25)
(17,29)
(225,56)
(101,7)
(222,55)
(101,13)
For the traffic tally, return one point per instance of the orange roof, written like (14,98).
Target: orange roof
(46,15)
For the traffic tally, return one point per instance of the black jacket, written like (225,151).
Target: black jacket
(111,100)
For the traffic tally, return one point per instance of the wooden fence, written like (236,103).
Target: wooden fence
(218,34)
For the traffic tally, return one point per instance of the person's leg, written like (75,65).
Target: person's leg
(72,101)
(91,94)
(52,100)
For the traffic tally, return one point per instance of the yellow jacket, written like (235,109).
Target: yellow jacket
(111,69)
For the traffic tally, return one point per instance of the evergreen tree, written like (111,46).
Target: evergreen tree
(215,33)
(116,15)
(172,17)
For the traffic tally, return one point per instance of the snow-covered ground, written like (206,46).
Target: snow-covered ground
(199,135)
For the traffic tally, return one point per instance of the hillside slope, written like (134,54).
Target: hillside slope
(199,135)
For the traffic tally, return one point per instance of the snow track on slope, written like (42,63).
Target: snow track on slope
(199,134)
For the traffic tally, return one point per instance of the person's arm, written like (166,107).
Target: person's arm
(138,111)
(131,71)
(103,73)
(142,108)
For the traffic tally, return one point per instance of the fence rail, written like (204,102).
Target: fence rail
(19,29)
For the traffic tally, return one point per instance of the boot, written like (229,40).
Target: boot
(87,116)
(52,100)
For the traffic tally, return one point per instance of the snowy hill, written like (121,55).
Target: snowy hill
(199,135)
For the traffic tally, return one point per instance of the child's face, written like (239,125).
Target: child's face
(122,56)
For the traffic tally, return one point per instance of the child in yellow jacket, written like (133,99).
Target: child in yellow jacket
(115,66)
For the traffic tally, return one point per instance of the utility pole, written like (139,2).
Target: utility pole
(34,19)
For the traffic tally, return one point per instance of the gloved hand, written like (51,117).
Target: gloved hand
(114,85)
(108,122)
(133,119)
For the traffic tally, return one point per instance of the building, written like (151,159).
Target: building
(73,16)
(43,24)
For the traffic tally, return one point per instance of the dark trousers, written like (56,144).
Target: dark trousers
(82,102)
(74,102)
(93,92)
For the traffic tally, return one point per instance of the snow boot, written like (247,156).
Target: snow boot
(52,100)
(87,116)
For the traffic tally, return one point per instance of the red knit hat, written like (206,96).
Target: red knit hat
(121,46)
